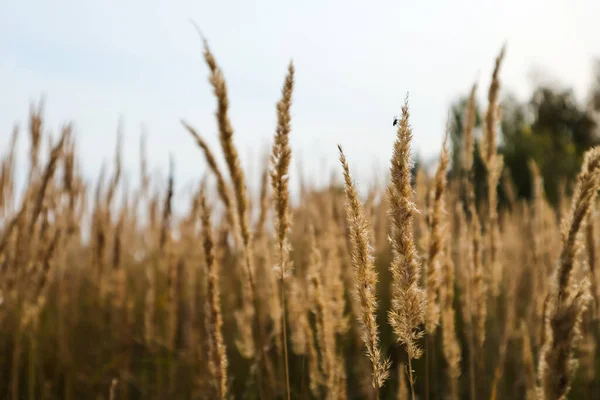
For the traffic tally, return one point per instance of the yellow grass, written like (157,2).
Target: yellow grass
(337,297)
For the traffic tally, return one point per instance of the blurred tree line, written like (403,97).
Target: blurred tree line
(552,128)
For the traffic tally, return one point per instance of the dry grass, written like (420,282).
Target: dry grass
(326,297)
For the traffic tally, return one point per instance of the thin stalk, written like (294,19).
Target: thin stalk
(472,366)
(284,335)
(32,362)
(410,378)
(259,333)
(16,365)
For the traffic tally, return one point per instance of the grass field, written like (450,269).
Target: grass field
(419,290)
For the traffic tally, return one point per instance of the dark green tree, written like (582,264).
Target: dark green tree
(553,130)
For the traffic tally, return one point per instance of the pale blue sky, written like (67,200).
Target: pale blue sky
(97,60)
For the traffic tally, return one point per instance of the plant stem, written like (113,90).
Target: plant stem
(410,378)
(472,365)
(32,354)
(284,333)
(261,341)
(16,365)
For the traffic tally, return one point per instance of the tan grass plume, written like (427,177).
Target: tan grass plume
(280,163)
(568,299)
(437,237)
(409,302)
(365,287)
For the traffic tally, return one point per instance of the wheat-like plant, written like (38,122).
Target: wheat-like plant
(365,286)
(409,301)
(268,295)
(568,298)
